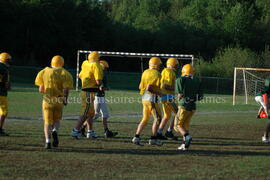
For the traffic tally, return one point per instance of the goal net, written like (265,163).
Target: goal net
(247,83)
(124,78)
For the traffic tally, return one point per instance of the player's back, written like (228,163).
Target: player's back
(54,79)
(168,77)
(150,77)
(191,87)
(90,73)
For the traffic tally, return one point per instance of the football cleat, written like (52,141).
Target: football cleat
(91,134)
(55,139)
(161,137)
(265,139)
(76,134)
(182,147)
(171,135)
(137,141)
(109,134)
(188,140)
(48,146)
(155,142)
(3,133)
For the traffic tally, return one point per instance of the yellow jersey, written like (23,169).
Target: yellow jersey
(54,81)
(150,77)
(168,77)
(90,73)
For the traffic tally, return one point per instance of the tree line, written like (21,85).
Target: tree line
(220,33)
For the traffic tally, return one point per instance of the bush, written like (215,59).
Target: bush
(205,68)
(229,58)
(223,64)
(265,57)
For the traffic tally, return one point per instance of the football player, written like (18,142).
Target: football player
(5,59)
(262,99)
(150,90)
(54,82)
(168,77)
(188,90)
(100,103)
(91,76)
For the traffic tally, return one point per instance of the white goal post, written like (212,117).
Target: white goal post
(247,83)
(129,54)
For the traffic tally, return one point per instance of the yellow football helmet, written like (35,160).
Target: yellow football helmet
(154,62)
(93,56)
(172,62)
(187,70)
(4,57)
(57,61)
(104,64)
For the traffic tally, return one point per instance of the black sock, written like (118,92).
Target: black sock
(153,137)
(137,135)
(186,134)
(106,129)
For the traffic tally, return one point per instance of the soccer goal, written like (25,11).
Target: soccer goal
(247,83)
(130,59)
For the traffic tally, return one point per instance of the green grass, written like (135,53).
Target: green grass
(227,145)
(26,103)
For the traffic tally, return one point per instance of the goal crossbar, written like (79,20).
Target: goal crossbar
(130,54)
(251,69)
(139,55)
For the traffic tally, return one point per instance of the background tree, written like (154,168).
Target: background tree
(35,30)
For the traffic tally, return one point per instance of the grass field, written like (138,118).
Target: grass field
(227,144)
(26,103)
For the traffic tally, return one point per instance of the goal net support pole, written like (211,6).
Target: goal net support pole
(234,85)
(130,54)
(245,86)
